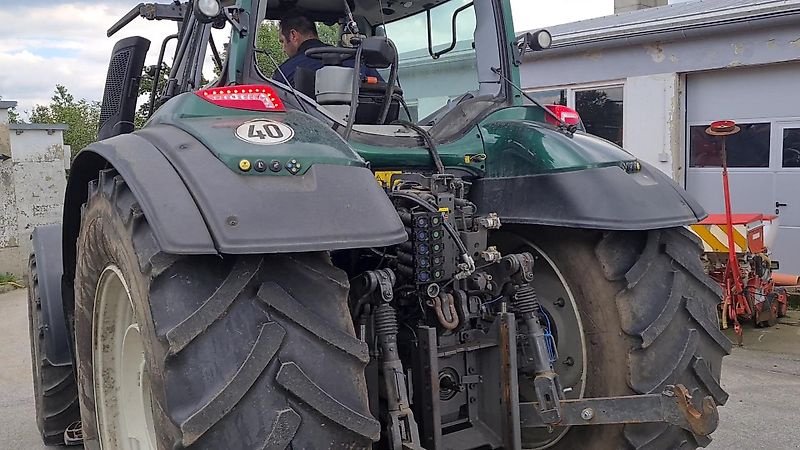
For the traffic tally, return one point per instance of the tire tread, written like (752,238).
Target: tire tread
(264,306)
(677,333)
(54,386)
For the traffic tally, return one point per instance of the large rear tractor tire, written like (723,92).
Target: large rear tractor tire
(54,389)
(648,318)
(210,352)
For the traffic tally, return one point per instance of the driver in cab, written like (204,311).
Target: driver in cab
(297,35)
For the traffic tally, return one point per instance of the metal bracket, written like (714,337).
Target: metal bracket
(671,406)
(372,283)
(471,379)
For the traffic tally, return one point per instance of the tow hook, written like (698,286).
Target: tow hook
(699,422)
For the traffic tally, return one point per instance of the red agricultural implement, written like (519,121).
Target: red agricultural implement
(737,256)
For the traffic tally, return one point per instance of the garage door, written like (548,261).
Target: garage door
(764,158)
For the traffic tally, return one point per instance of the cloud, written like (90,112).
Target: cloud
(43,44)
(530,14)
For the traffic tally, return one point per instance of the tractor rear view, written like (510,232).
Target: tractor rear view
(343,262)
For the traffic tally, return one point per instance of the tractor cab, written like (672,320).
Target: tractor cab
(443,66)
(431,58)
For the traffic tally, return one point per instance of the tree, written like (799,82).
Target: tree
(145,88)
(81,116)
(13,116)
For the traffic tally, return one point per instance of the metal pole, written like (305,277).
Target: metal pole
(734,291)
(732,261)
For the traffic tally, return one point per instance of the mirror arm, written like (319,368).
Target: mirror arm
(453,42)
(150,11)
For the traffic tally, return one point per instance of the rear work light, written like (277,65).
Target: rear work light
(250,97)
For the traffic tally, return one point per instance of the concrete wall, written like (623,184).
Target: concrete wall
(32,185)
(40,181)
(8,204)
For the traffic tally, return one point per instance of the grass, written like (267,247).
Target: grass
(9,281)
(7,278)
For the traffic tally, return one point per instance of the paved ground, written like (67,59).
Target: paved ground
(763,380)
(17,420)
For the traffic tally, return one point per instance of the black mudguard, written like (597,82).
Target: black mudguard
(604,198)
(196,205)
(331,207)
(46,242)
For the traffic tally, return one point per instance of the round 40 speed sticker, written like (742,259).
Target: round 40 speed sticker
(264,132)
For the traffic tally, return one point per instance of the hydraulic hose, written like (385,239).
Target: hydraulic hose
(351,119)
(387,99)
(429,143)
(449,228)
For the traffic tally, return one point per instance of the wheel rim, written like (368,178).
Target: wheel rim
(121,383)
(551,285)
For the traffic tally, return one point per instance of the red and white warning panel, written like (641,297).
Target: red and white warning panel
(752,233)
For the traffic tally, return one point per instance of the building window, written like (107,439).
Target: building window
(747,148)
(601,112)
(552,97)
(791,147)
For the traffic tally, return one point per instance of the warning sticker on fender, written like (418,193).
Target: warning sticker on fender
(264,132)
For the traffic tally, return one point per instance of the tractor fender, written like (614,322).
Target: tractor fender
(195,204)
(46,247)
(605,198)
(330,207)
(167,205)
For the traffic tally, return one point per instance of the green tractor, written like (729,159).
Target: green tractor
(365,262)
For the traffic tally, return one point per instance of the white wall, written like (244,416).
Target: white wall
(652,122)
(32,191)
(40,181)
(8,207)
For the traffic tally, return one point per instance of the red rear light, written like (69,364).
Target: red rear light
(566,114)
(250,97)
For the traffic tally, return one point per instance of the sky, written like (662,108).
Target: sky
(49,42)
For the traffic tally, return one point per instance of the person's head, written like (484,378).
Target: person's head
(295,29)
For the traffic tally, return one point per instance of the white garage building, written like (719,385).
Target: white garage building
(652,80)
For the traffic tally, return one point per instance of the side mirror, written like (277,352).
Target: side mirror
(207,11)
(122,87)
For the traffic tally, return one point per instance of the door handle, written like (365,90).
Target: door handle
(779,204)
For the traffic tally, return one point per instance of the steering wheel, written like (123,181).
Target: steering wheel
(330,55)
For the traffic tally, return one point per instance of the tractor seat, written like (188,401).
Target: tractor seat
(370,97)
(331,85)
